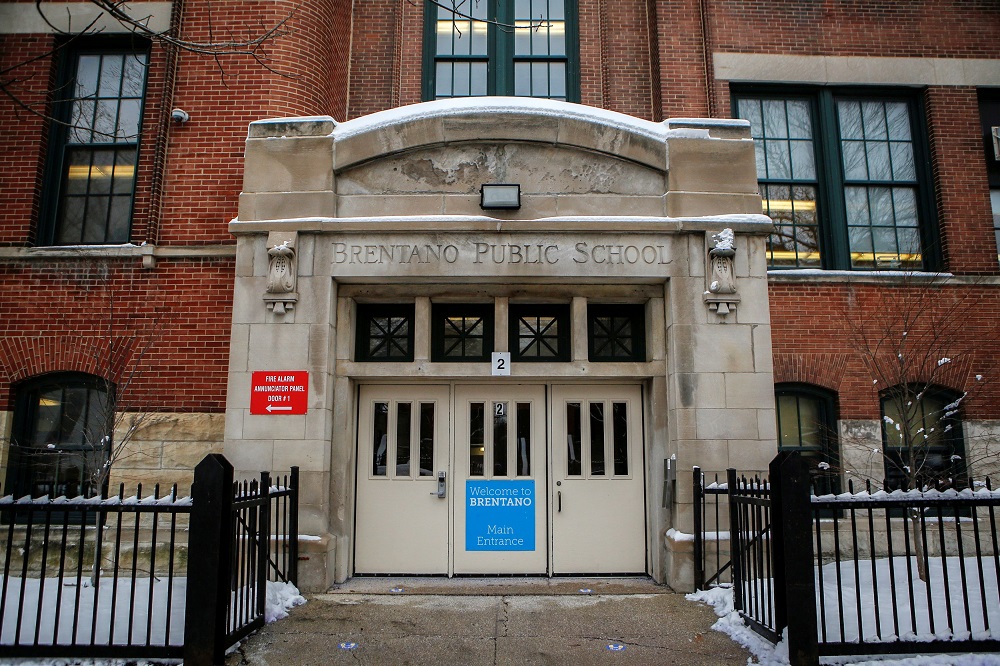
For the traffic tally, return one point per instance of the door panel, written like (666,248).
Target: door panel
(403,438)
(499,480)
(598,514)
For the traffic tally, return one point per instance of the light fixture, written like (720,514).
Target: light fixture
(500,195)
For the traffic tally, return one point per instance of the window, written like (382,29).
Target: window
(384,333)
(539,332)
(525,48)
(617,332)
(844,177)
(807,422)
(462,332)
(94,147)
(922,436)
(989,113)
(61,435)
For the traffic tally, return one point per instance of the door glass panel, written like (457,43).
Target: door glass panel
(380,438)
(523,439)
(477,444)
(500,439)
(597,439)
(619,420)
(403,411)
(575,453)
(426,439)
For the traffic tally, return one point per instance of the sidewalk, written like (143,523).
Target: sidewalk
(493,621)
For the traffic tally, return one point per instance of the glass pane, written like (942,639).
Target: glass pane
(48,419)
(500,439)
(788,421)
(557,80)
(111,76)
(778,159)
(879,167)
(95,223)
(619,422)
(477,84)
(460,80)
(70,227)
(539,79)
(523,452)
(854,155)
(903,167)
(873,117)
(799,121)
(134,75)
(750,110)
(477,443)
(403,412)
(87,73)
(849,114)
(809,423)
(72,427)
(121,210)
(522,79)
(128,120)
(124,173)
(898,118)
(78,171)
(82,120)
(597,439)
(426,439)
(775,124)
(105,121)
(803,164)
(380,438)
(574,442)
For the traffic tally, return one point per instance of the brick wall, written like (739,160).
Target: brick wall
(168,328)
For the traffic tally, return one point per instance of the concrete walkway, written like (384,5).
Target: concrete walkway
(493,621)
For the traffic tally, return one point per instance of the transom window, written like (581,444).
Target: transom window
(61,436)
(462,332)
(617,332)
(94,148)
(539,332)
(840,176)
(384,333)
(525,48)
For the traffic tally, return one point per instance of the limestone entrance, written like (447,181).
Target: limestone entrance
(458,480)
(367,252)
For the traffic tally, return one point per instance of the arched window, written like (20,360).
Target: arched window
(922,436)
(807,423)
(61,436)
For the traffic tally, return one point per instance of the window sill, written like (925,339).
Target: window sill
(814,275)
(123,251)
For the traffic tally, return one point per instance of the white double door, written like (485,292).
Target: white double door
(461,480)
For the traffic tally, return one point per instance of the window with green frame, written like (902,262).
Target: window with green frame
(807,421)
(922,436)
(844,176)
(989,113)
(93,150)
(524,48)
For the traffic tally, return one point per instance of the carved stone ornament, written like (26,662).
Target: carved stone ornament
(280,294)
(721,295)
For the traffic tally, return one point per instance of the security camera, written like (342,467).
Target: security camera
(180,116)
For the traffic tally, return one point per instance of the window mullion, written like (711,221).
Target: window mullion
(831,178)
(501,48)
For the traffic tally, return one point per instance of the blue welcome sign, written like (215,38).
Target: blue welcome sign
(499,515)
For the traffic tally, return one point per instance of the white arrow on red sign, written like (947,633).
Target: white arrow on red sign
(274,408)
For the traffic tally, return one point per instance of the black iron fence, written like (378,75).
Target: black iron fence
(864,572)
(711,542)
(124,576)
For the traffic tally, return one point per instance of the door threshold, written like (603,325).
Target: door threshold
(501,586)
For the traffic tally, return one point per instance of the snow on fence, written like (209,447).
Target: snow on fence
(860,573)
(110,576)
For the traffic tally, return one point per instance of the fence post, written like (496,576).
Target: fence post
(735,537)
(292,538)
(792,557)
(263,542)
(209,561)
(697,498)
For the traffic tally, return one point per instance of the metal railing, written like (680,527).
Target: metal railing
(865,572)
(711,560)
(131,577)
(94,577)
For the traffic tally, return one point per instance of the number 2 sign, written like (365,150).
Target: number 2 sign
(501,363)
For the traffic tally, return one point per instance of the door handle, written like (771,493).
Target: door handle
(442,489)
(559,500)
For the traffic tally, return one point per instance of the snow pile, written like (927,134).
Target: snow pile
(731,624)
(280,598)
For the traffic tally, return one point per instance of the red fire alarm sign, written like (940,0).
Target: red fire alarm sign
(279,392)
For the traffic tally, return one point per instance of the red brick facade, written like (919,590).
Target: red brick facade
(648,58)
